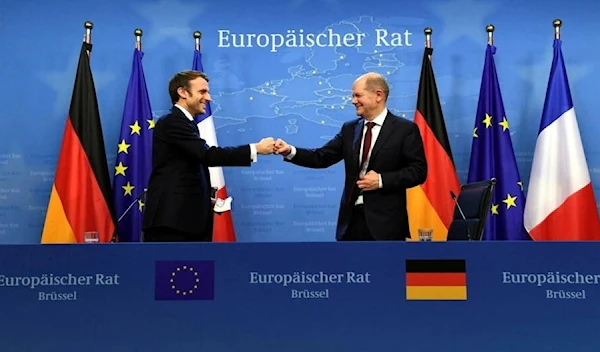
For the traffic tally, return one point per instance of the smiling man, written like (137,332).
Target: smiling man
(383,156)
(178,202)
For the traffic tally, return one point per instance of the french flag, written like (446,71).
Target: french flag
(223,230)
(560,201)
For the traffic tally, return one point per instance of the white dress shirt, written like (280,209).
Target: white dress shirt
(378,120)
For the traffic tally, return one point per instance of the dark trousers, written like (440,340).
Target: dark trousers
(357,229)
(166,234)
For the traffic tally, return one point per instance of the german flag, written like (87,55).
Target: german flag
(430,204)
(438,280)
(81,198)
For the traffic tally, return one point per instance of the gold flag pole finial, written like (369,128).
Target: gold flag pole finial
(138,38)
(490,31)
(557,23)
(197,37)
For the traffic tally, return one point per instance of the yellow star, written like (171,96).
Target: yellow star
(150,124)
(128,188)
(487,121)
(135,128)
(495,209)
(140,205)
(510,201)
(120,169)
(123,147)
(520,185)
(504,124)
(475,133)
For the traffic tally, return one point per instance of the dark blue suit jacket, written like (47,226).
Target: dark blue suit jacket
(398,155)
(179,189)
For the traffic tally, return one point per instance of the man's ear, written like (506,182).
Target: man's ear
(182,92)
(379,93)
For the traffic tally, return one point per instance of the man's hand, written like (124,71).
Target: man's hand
(369,182)
(265,146)
(281,147)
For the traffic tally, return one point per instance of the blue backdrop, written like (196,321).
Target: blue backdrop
(296,93)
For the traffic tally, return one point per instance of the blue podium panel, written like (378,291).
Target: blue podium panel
(363,297)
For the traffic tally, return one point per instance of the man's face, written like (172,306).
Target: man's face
(197,96)
(365,101)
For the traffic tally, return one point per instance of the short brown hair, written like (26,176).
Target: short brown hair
(182,79)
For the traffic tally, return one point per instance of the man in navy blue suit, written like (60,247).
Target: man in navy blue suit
(178,202)
(383,156)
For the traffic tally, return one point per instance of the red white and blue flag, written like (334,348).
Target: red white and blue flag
(223,230)
(560,201)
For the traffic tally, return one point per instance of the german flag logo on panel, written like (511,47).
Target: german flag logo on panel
(436,280)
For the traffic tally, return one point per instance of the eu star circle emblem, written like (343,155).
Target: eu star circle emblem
(184,280)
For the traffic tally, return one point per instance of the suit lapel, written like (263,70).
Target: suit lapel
(386,131)
(176,110)
(195,127)
(358,129)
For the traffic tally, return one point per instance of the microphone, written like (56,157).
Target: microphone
(131,205)
(461,214)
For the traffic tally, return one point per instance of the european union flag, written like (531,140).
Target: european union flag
(133,164)
(185,280)
(492,156)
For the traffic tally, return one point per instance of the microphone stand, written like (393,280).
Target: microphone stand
(464,218)
(131,205)
(114,238)
(213,193)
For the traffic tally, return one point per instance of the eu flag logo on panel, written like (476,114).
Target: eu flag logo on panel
(185,280)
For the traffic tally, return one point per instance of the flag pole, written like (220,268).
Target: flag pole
(87,38)
(428,31)
(197,37)
(138,38)
(490,31)
(557,23)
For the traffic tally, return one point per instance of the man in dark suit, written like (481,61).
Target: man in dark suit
(383,156)
(178,201)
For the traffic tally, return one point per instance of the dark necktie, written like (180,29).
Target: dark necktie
(365,155)
(366,145)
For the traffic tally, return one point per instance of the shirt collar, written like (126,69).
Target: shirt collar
(380,118)
(185,112)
